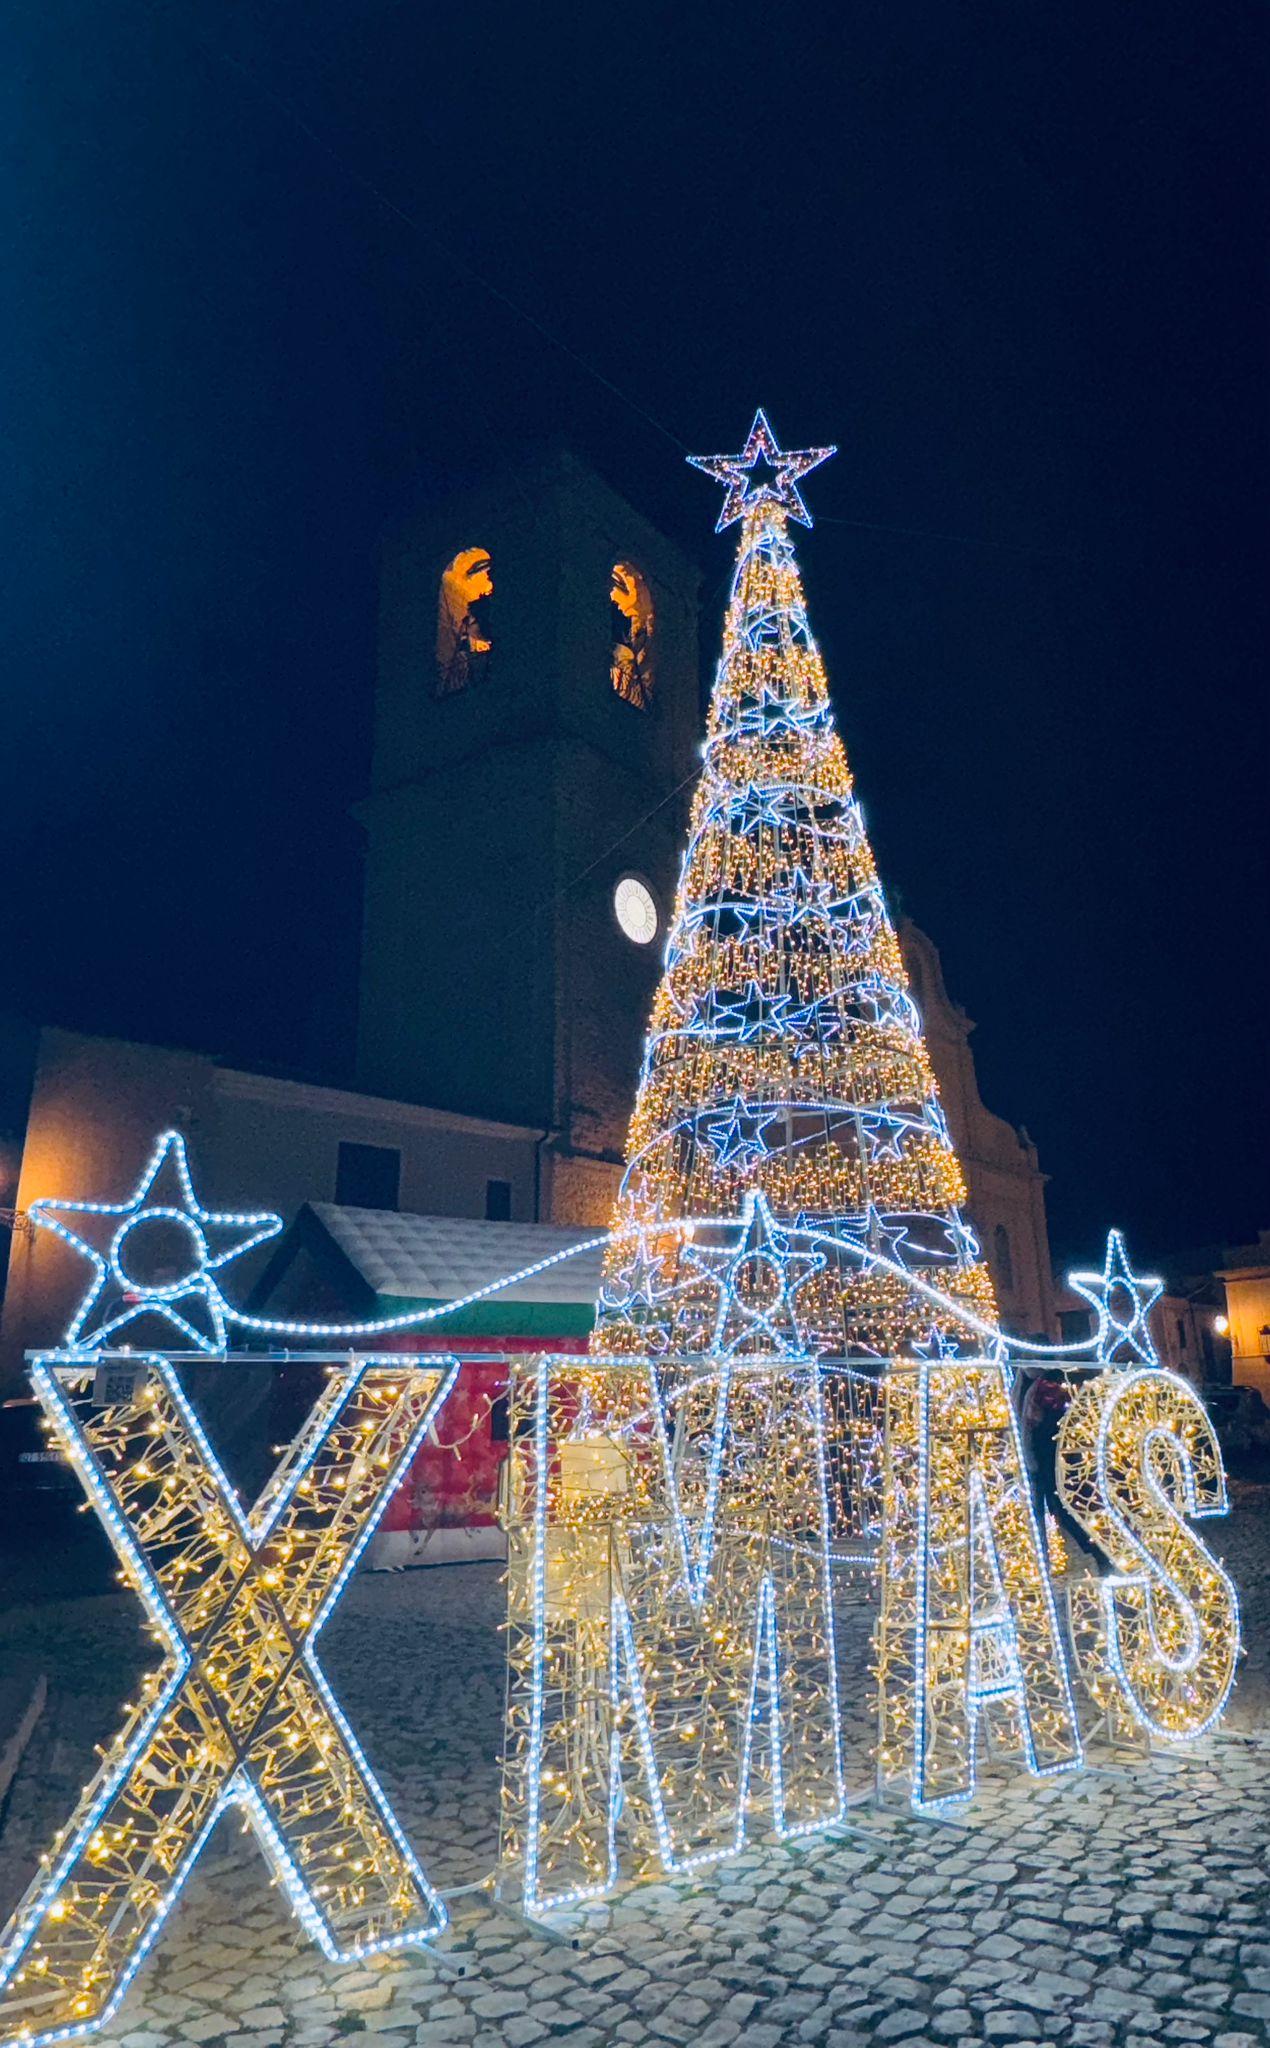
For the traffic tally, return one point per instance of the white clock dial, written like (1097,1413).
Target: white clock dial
(635,908)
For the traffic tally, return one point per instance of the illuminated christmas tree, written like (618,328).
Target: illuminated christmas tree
(785,1056)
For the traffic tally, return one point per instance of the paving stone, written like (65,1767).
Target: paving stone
(1011,2025)
(521,2029)
(1252,2004)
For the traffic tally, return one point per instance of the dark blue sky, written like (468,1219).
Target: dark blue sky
(1012,259)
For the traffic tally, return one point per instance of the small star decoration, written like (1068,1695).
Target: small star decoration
(736,1136)
(1123,1302)
(155,1254)
(775,483)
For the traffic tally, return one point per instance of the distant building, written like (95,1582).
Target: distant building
(1186,1325)
(1246,1280)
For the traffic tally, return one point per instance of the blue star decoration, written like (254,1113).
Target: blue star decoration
(887,1132)
(758,1279)
(737,1137)
(775,483)
(157,1254)
(1123,1301)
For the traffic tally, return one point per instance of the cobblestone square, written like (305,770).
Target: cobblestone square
(1122,1906)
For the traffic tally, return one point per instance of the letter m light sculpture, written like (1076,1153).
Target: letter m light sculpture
(238,1713)
(671,1658)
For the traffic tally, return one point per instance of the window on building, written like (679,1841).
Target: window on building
(1074,1325)
(1181,1333)
(1003,1257)
(500,1419)
(631,664)
(498,1201)
(463,633)
(368,1176)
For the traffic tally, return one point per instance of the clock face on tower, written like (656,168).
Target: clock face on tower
(635,908)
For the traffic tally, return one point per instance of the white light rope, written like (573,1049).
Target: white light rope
(416,1318)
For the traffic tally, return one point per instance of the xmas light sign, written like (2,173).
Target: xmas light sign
(797,1360)
(673,1678)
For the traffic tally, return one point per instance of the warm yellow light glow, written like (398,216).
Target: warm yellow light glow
(631,665)
(461,636)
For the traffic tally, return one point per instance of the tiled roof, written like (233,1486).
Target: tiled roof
(444,1258)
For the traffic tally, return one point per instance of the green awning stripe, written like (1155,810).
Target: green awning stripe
(496,1318)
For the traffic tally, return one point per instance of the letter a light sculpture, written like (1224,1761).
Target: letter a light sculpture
(239,1712)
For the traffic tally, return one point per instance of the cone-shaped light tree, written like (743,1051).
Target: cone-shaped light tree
(785,1057)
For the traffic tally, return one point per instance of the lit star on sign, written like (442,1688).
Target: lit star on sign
(758,1279)
(1123,1301)
(776,483)
(156,1254)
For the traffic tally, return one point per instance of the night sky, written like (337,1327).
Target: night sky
(1012,259)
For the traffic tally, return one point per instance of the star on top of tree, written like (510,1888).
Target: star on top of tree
(762,474)
(154,1254)
(1123,1302)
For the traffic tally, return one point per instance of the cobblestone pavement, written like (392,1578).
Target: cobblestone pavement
(1126,1906)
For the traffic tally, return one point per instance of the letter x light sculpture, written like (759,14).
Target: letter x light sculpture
(239,1712)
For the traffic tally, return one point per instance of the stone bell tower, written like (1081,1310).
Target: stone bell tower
(536,725)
